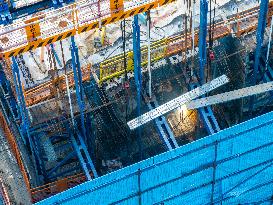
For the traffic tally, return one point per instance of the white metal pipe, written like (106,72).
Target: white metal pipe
(231,95)
(192,32)
(269,42)
(69,99)
(149,55)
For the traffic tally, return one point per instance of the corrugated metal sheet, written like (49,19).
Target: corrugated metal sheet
(234,166)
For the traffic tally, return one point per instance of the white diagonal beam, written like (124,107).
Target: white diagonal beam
(177,102)
(232,95)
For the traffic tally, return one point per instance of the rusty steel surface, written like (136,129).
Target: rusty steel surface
(44,92)
(50,189)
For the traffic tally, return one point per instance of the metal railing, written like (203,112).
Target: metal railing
(46,28)
(50,189)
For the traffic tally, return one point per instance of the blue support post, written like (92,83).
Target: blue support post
(78,82)
(202,39)
(40,157)
(76,138)
(207,116)
(60,164)
(8,95)
(137,72)
(260,37)
(25,127)
(209,120)
(57,3)
(55,55)
(205,113)
(137,61)
(21,101)
(163,128)
(5,16)
(83,155)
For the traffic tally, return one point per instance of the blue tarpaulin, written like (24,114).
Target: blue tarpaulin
(234,166)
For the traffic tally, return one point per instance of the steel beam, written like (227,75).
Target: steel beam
(207,116)
(259,37)
(137,72)
(202,39)
(8,95)
(178,102)
(60,164)
(163,128)
(78,83)
(83,155)
(231,95)
(25,126)
(56,55)
(21,102)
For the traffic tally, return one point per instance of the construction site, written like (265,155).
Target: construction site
(138,102)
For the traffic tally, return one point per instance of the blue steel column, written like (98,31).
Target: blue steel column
(202,39)
(8,95)
(78,82)
(56,55)
(260,37)
(76,138)
(24,114)
(21,101)
(137,72)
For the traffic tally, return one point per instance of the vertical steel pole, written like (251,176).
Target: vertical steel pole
(193,35)
(21,100)
(78,83)
(202,39)
(24,114)
(259,37)
(69,99)
(149,53)
(137,72)
(269,42)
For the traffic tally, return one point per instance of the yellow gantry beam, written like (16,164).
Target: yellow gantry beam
(56,25)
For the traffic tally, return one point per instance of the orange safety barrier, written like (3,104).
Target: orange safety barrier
(43,92)
(47,190)
(15,150)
